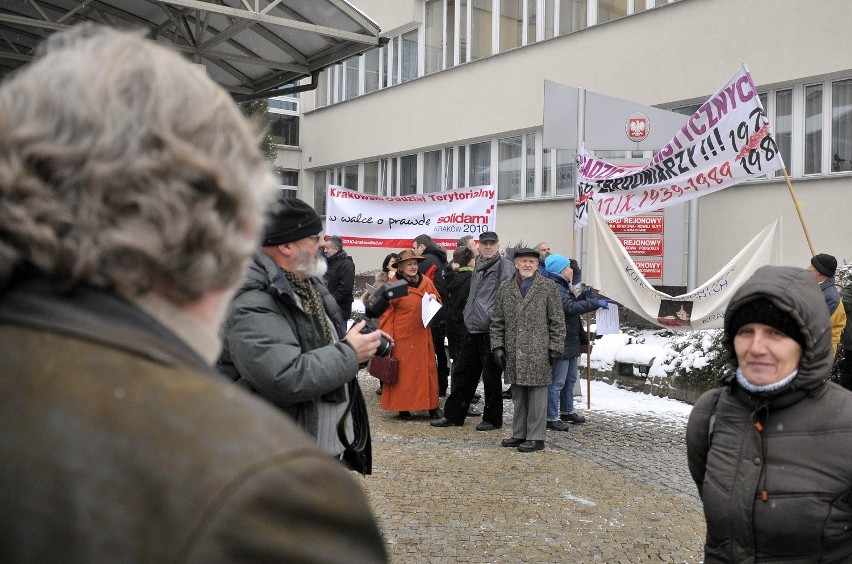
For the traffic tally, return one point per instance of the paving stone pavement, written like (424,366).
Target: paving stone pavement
(615,490)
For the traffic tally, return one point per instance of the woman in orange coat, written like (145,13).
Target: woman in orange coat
(417,387)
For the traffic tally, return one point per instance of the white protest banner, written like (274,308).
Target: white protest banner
(366,220)
(726,141)
(610,269)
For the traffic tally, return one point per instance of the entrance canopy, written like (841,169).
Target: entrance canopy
(251,47)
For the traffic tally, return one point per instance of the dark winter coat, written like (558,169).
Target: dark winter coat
(119,444)
(340,280)
(458,289)
(433,268)
(573,308)
(487,277)
(528,328)
(774,475)
(265,349)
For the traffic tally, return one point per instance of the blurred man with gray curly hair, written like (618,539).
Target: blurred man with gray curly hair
(131,199)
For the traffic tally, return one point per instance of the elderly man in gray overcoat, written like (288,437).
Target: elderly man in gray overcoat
(527,336)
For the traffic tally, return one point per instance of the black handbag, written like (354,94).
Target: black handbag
(385,368)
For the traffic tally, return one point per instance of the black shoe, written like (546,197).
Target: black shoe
(443,422)
(531,446)
(572,417)
(558,425)
(436,413)
(507,393)
(511,442)
(486,426)
(476,398)
(405,415)
(473,412)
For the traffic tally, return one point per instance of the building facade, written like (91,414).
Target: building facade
(455,98)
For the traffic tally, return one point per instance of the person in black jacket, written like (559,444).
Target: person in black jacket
(340,276)
(433,268)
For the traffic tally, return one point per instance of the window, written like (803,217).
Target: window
(432,171)
(546,174)
(609,10)
(371,71)
(350,178)
(448,169)
(572,16)
(352,66)
(531,21)
(462,167)
(813,129)
(530,165)
(434,35)
(463,33)
(480,29)
(408,175)
(549,19)
(284,129)
(565,171)
(289,178)
(409,56)
(509,168)
(450,29)
(480,164)
(320,187)
(841,126)
(784,125)
(322,89)
(511,24)
(371,177)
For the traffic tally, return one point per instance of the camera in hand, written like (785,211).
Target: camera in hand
(379,302)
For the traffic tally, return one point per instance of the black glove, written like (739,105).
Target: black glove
(555,357)
(500,357)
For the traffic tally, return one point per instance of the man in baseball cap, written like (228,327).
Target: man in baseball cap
(823,268)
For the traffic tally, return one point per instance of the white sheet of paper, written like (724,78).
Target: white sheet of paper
(430,308)
(607,320)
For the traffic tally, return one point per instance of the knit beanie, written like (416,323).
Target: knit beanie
(288,220)
(825,264)
(555,264)
(764,311)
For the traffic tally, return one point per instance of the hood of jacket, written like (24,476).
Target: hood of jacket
(795,292)
(437,252)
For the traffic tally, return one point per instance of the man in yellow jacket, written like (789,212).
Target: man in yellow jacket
(823,268)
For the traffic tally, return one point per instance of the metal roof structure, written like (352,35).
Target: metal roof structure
(251,47)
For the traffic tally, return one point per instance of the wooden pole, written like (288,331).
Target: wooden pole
(589,362)
(799,211)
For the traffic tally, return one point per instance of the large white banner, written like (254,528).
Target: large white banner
(610,269)
(366,220)
(726,141)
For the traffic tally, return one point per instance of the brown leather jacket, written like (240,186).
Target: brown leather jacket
(119,445)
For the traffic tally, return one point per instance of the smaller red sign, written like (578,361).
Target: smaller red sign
(637,127)
(637,224)
(643,246)
(650,268)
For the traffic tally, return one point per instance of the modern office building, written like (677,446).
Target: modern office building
(456,98)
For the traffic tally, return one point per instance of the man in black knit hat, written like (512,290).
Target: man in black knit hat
(823,268)
(284,337)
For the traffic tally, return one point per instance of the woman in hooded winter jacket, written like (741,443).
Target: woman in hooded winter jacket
(769,449)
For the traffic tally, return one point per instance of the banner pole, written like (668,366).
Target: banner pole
(799,211)
(589,362)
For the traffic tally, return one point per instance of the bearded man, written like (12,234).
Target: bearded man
(285,339)
(527,339)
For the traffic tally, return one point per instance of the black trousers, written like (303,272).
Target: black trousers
(475,360)
(438,334)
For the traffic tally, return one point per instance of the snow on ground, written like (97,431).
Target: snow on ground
(609,398)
